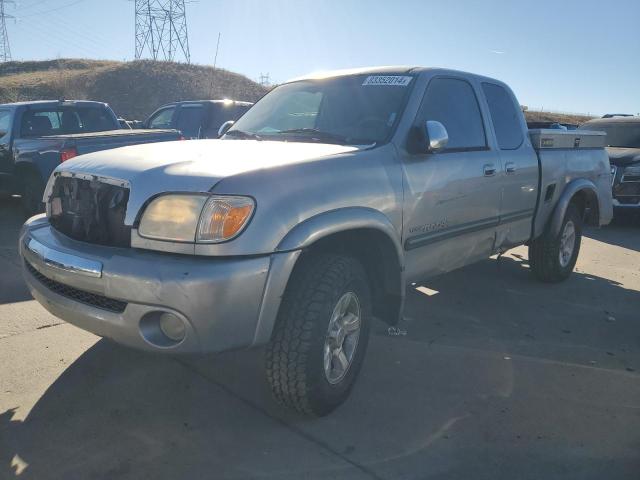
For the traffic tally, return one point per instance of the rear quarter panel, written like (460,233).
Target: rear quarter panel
(42,154)
(562,166)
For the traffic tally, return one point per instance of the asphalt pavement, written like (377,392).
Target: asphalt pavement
(491,375)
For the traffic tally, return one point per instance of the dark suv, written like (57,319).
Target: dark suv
(197,119)
(623,146)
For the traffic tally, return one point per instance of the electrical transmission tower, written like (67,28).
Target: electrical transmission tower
(265,80)
(161,29)
(5,49)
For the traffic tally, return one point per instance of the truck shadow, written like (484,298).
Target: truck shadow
(427,404)
(623,233)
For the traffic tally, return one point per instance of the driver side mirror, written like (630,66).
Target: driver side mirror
(430,138)
(224,128)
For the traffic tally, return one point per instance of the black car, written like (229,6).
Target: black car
(623,146)
(197,119)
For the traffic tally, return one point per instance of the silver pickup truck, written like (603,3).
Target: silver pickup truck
(310,217)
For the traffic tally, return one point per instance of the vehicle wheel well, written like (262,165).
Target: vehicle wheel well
(587,203)
(378,255)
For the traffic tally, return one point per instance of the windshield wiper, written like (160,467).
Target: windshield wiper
(243,134)
(314,132)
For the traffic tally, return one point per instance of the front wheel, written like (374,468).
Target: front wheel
(552,258)
(321,334)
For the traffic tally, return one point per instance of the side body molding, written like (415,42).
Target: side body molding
(573,187)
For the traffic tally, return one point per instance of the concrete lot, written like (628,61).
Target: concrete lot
(498,376)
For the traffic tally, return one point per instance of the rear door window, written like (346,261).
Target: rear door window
(163,118)
(65,121)
(190,120)
(96,120)
(504,116)
(453,103)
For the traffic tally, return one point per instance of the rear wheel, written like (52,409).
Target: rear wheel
(553,258)
(321,334)
(32,191)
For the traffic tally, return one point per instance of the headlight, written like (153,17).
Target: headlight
(199,218)
(172,217)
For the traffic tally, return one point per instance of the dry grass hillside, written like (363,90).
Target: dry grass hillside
(133,89)
(533,116)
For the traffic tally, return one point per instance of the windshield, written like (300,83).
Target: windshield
(618,134)
(354,110)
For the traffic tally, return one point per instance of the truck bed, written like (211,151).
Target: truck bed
(562,156)
(113,133)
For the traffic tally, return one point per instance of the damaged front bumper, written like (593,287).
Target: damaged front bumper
(120,293)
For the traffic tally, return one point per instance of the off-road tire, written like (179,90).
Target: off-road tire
(544,252)
(32,191)
(294,356)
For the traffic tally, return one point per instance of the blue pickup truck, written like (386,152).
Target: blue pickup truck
(35,137)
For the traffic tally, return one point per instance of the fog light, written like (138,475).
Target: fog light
(172,326)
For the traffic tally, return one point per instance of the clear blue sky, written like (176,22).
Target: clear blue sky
(568,55)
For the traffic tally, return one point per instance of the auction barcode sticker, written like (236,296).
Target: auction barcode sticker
(388,80)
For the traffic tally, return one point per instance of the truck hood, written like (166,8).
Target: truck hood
(623,156)
(191,166)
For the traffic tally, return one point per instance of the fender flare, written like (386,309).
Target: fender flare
(325,224)
(573,187)
(328,223)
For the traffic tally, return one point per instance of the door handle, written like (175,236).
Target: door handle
(489,170)
(510,167)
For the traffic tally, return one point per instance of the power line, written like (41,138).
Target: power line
(67,5)
(5,48)
(21,7)
(62,37)
(161,29)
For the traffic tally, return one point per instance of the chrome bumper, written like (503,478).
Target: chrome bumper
(60,261)
(225,303)
(617,204)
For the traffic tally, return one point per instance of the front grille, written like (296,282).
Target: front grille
(90,211)
(630,178)
(627,189)
(76,294)
(628,200)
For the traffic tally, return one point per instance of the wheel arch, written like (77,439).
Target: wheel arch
(367,235)
(582,193)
